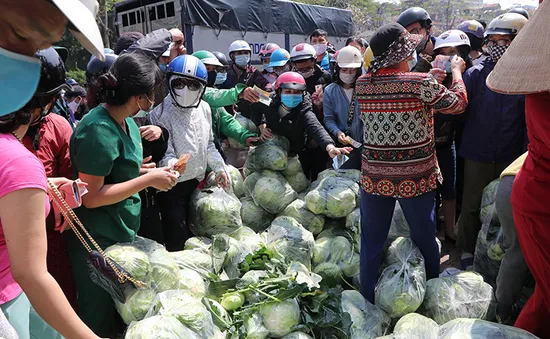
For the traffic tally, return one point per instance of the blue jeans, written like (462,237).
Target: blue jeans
(26,321)
(376,216)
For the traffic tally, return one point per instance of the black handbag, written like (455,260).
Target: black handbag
(103,271)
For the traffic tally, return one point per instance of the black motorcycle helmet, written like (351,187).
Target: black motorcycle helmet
(53,80)
(222,58)
(96,67)
(415,14)
(519,10)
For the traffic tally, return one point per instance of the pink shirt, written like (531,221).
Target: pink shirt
(19,169)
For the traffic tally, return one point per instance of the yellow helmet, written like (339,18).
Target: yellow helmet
(367,58)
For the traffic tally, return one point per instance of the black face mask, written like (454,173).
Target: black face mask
(211,78)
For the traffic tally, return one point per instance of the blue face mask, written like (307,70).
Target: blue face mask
(20,75)
(291,100)
(163,67)
(268,69)
(220,78)
(242,60)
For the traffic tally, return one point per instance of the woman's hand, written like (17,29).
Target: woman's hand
(162,179)
(150,132)
(266,133)
(438,74)
(181,165)
(249,94)
(334,151)
(251,141)
(222,179)
(342,139)
(146,166)
(60,181)
(457,63)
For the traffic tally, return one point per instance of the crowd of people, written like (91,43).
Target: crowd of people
(414,112)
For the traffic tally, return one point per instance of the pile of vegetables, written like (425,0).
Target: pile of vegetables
(282,261)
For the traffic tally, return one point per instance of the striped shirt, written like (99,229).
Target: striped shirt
(399,146)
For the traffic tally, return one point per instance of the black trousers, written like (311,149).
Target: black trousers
(314,161)
(150,225)
(174,211)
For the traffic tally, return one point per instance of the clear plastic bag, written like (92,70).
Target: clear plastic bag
(402,250)
(294,166)
(280,317)
(270,190)
(159,327)
(255,216)
(265,156)
(399,225)
(192,282)
(297,335)
(415,326)
(255,328)
(214,211)
(476,328)
(368,321)
(299,182)
(137,306)
(337,251)
(490,246)
(350,174)
(464,295)
(201,244)
(309,220)
(237,181)
(165,271)
(187,309)
(197,261)
(247,124)
(292,242)
(353,223)
(334,197)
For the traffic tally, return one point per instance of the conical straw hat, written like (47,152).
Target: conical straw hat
(525,67)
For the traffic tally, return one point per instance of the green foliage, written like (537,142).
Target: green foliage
(78,75)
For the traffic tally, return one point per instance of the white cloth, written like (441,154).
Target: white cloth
(191,133)
(349,93)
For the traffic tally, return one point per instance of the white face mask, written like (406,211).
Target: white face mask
(143,112)
(320,49)
(412,63)
(347,79)
(186,98)
(307,74)
(74,105)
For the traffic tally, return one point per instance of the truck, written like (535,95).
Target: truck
(213,24)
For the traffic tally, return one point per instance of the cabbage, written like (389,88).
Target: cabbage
(480,329)
(279,141)
(255,328)
(255,216)
(301,274)
(220,317)
(350,174)
(227,254)
(290,241)
(232,301)
(192,282)
(131,259)
(490,246)
(490,193)
(248,238)
(237,182)
(293,167)
(265,156)
(334,256)
(213,211)
(165,272)
(334,197)
(402,285)
(415,326)
(202,244)
(297,335)
(187,309)
(159,327)
(199,262)
(368,321)
(299,182)
(280,317)
(330,272)
(136,307)
(270,190)
(464,295)
(298,210)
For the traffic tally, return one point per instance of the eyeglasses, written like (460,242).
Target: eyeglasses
(501,42)
(221,70)
(181,83)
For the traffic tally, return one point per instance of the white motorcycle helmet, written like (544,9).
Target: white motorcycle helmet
(349,57)
(239,45)
(452,38)
(508,24)
(302,51)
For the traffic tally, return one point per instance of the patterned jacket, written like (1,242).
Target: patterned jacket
(399,148)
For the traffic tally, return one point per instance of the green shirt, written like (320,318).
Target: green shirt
(100,147)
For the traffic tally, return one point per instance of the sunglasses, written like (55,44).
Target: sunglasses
(501,42)
(181,83)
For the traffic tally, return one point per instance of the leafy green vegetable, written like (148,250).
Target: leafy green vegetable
(288,240)
(232,301)
(160,327)
(132,259)
(334,197)
(213,211)
(136,306)
(192,282)
(475,328)
(416,326)
(255,216)
(280,317)
(165,272)
(201,244)
(368,321)
(310,221)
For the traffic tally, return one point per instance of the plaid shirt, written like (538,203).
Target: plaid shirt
(399,146)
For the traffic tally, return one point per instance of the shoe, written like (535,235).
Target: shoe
(507,315)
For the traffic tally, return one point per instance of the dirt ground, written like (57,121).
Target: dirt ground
(450,255)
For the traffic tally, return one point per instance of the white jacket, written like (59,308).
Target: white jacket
(190,131)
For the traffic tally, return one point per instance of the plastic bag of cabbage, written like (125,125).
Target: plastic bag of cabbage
(350,174)
(270,190)
(272,155)
(214,211)
(464,295)
(399,225)
(334,258)
(228,251)
(402,285)
(334,197)
(255,216)
(187,309)
(290,241)
(159,327)
(237,181)
(353,223)
(490,245)
(295,175)
(309,220)
(475,328)
(247,124)
(415,326)
(368,321)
